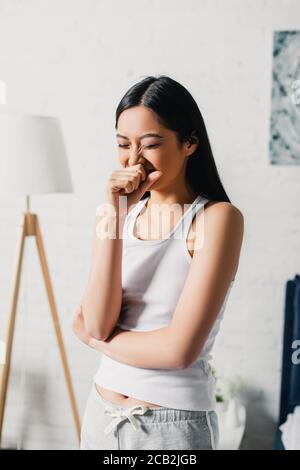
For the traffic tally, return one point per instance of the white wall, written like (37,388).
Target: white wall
(75,60)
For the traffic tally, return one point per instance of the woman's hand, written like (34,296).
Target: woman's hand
(133,181)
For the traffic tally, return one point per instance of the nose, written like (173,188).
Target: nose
(135,157)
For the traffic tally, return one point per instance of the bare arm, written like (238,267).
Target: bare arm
(102,297)
(155,349)
(101,301)
(179,344)
(212,269)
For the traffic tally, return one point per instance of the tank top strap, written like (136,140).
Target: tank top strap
(137,208)
(131,217)
(182,229)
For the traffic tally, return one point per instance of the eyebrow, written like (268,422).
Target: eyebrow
(149,134)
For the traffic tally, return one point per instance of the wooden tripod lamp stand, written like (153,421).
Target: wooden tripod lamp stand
(32,161)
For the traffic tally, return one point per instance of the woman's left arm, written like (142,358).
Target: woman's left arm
(148,349)
(214,264)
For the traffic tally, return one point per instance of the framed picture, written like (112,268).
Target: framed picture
(284,144)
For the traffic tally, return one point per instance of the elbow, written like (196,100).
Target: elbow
(92,327)
(185,359)
(180,361)
(179,356)
(190,357)
(184,363)
(83,324)
(189,353)
(95,332)
(180,365)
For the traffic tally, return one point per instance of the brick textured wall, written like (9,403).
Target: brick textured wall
(75,59)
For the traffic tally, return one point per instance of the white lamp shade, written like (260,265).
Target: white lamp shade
(32,155)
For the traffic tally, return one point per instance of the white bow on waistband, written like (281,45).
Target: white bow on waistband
(121,414)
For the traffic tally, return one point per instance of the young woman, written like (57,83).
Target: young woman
(155,296)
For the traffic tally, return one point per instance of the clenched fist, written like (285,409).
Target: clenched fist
(132,181)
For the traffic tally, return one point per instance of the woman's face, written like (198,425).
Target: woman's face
(159,151)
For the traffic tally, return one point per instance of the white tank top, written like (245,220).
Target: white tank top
(153,275)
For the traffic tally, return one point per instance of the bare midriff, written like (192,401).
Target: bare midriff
(120,399)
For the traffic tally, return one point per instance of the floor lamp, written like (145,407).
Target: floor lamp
(32,161)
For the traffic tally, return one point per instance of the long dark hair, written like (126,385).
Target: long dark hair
(176,109)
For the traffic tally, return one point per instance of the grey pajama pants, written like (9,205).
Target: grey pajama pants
(107,426)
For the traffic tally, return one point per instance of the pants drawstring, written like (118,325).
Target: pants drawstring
(122,414)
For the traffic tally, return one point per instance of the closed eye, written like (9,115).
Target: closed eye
(147,147)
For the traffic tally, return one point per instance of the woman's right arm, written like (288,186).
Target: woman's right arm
(102,298)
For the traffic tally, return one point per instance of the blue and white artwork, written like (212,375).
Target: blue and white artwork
(284,142)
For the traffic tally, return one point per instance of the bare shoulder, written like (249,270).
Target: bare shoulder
(224,216)
(223,208)
(220,212)
(221,233)
(219,219)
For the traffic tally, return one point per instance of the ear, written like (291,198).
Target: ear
(192,144)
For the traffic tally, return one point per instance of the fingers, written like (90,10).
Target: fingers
(152,178)
(128,179)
